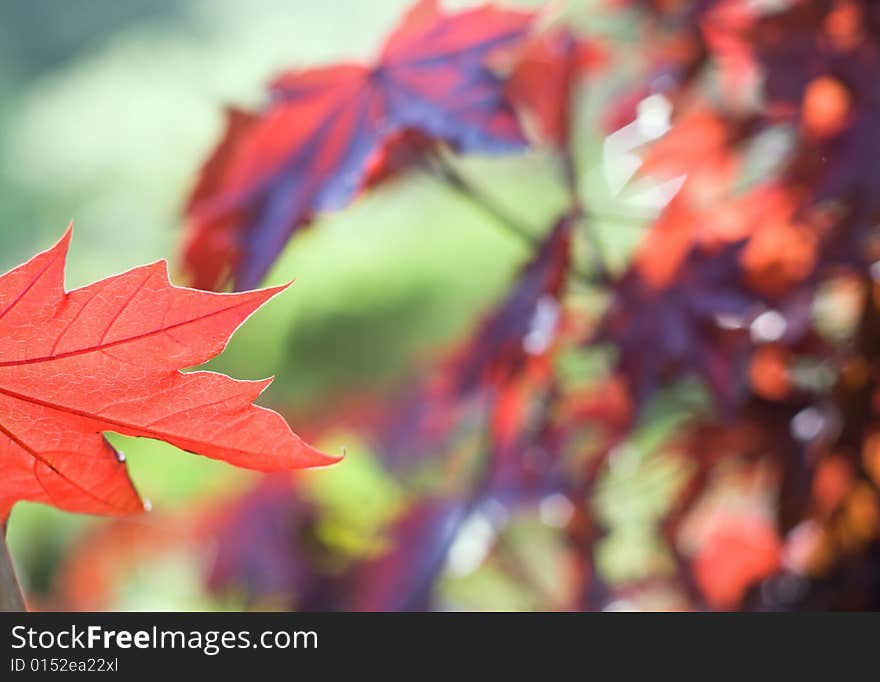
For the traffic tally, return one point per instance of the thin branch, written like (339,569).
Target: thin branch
(443,170)
(597,251)
(453,179)
(11,598)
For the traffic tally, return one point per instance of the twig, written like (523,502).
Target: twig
(445,171)
(11,598)
(597,251)
(441,169)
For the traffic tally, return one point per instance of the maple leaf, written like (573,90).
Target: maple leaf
(314,146)
(680,324)
(106,357)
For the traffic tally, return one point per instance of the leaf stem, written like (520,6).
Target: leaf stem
(11,598)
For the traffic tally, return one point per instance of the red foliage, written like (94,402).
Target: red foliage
(329,133)
(724,287)
(772,141)
(106,357)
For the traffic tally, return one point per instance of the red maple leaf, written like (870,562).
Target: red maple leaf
(106,357)
(313,147)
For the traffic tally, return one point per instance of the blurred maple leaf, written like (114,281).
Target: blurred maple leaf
(313,147)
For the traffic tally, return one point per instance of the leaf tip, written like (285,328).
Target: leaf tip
(319,458)
(262,296)
(63,243)
(274,291)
